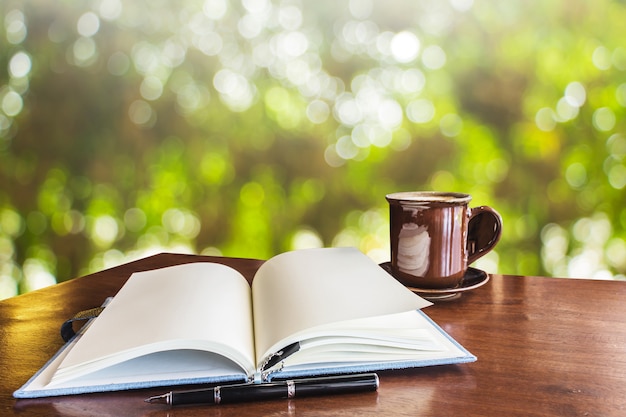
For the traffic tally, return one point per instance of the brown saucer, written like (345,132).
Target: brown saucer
(473,279)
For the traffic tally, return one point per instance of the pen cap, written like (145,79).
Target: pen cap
(344,384)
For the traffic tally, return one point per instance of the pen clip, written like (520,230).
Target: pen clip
(273,359)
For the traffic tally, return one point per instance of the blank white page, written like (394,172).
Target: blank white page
(298,290)
(204,306)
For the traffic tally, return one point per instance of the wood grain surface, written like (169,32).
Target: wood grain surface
(545,347)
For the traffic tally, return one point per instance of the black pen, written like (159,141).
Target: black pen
(291,388)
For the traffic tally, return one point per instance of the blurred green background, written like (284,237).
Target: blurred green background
(248,128)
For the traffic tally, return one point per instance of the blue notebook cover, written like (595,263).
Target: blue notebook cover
(333,297)
(36,386)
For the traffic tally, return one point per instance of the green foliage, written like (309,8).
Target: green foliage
(251,128)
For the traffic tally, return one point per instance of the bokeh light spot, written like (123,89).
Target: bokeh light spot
(252,194)
(15,27)
(601,58)
(36,275)
(576,175)
(620,94)
(616,253)
(12,103)
(390,113)
(405,46)
(306,238)
(290,17)
(318,111)
(575,94)
(361,9)
(451,125)
(346,148)
(420,111)
(545,119)
(617,177)
(151,88)
(141,113)
(462,5)
(135,219)
(215,9)
(565,110)
(604,119)
(84,51)
(110,9)
(434,57)
(104,231)
(20,65)
(88,24)
(616,145)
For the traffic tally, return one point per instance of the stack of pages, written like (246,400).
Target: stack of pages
(308,312)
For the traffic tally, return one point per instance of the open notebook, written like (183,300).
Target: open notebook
(308,312)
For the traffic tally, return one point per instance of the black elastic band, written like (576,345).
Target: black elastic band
(67,331)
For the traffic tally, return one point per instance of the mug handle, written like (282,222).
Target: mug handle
(484,229)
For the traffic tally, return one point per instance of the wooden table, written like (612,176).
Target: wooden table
(545,347)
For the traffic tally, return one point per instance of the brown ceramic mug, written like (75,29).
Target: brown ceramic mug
(436,235)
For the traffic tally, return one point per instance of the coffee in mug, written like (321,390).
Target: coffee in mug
(434,236)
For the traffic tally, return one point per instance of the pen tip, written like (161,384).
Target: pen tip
(159,399)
